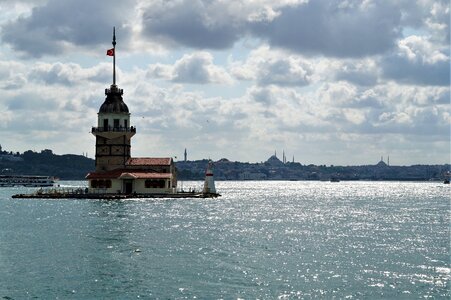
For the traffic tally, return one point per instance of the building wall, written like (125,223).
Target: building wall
(160,169)
(139,187)
(111,117)
(116,187)
(112,153)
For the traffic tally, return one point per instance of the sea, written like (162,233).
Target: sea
(259,240)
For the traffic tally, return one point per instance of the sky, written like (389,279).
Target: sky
(325,81)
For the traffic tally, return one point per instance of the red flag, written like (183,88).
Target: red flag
(110,52)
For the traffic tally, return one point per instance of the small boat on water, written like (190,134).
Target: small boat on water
(26,180)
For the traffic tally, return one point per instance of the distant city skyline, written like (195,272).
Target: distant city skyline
(328,82)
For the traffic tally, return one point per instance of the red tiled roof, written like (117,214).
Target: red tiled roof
(104,175)
(149,161)
(145,175)
(124,174)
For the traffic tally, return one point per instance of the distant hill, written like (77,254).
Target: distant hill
(65,167)
(75,167)
(275,169)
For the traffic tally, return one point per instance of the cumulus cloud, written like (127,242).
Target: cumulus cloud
(334,28)
(197,24)
(274,67)
(69,73)
(428,15)
(361,72)
(197,68)
(417,61)
(55,73)
(322,79)
(12,75)
(54,27)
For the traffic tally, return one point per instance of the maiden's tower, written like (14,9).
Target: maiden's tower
(116,171)
(117,175)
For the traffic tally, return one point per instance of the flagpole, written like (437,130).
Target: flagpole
(114,56)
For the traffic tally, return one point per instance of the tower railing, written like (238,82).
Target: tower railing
(114,129)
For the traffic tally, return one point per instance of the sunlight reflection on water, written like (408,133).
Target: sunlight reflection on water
(259,240)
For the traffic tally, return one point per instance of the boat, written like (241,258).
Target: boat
(447,176)
(26,180)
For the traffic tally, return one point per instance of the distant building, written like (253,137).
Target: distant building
(273,161)
(381,163)
(252,176)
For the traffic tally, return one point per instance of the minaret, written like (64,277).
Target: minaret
(185,154)
(113,132)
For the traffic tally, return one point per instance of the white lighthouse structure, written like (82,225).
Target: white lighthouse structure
(209,183)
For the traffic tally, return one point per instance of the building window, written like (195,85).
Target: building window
(116,123)
(155,184)
(101,184)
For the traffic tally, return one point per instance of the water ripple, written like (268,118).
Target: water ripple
(267,240)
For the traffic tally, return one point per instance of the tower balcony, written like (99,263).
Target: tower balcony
(114,129)
(114,132)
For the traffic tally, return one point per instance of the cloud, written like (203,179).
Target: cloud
(69,74)
(331,28)
(334,28)
(54,27)
(285,72)
(417,61)
(267,67)
(196,68)
(12,75)
(360,72)
(197,24)
(431,16)
(55,73)
(326,80)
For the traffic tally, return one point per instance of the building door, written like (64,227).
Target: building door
(128,186)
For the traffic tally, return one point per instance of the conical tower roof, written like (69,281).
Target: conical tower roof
(113,101)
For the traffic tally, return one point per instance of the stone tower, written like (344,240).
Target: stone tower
(113,132)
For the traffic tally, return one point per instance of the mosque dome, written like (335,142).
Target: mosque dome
(113,101)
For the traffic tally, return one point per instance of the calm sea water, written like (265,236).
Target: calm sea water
(265,240)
